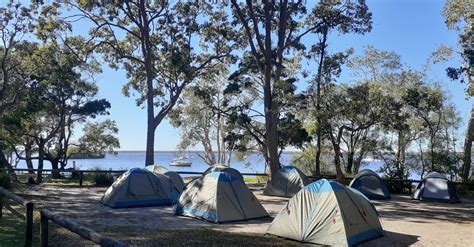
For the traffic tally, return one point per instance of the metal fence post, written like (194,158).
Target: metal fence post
(29,224)
(43,231)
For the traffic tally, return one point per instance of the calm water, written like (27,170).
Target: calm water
(128,159)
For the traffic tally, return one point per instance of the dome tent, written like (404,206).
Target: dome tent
(156,169)
(219,197)
(436,187)
(175,178)
(370,184)
(139,188)
(328,213)
(286,182)
(223,168)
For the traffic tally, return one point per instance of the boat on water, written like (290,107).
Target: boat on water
(181,161)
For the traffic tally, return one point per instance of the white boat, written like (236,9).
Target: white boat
(181,161)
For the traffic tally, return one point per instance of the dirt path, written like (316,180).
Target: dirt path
(406,221)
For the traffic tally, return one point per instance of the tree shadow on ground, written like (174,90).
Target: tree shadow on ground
(404,208)
(392,239)
(200,237)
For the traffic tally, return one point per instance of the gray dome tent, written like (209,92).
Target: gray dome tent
(139,188)
(175,178)
(223,168)
(436,187)
(370,184)
(219,197)
(328,213)
(156,169)
(286,182)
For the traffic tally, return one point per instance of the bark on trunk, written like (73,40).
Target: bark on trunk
(55,166)
(401,152)
(468,148)
(350,162)
(29,162)
(337,163)
(318,105)
(39,176)
(357,163)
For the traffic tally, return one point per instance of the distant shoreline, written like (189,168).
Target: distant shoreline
(192,151)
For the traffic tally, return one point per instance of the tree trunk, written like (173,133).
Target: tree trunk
(432,153)
(357,162)
(55,166)
(318,105)
(350,161)
(466,168)
(337,163)
(4,164)
(401,152)
(271,137)
(337,155)
(317,160)
(29,161)
(39,176)
(150,76)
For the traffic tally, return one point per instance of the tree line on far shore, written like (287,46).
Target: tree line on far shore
(233,78)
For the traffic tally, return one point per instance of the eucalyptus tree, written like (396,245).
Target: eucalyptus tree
(153,41)
(273,32)
(60,99)
(16,22)
(351,109)
(200,117)
(383,70)
(333,17)
(459,16)
(99,138)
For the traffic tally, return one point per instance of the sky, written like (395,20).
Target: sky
(410,28)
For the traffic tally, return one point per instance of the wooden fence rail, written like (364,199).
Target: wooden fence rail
(87,233)
(5,194)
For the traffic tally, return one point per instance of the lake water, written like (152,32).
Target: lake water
(130,159)
(125,160)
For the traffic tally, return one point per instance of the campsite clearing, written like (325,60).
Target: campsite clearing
(405,221)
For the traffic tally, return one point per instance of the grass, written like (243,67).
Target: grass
(257,179)
(68,182)
(12,229)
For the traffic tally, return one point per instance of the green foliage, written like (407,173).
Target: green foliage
(101,179)
(5,180)
(99,138)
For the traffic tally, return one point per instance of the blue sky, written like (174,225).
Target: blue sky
(410,28)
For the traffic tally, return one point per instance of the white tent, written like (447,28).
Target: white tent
(436,187)
(139,188)
(328,213)
(286,182)
(219,197)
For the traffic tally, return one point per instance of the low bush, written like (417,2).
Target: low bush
(102,179)
(75,174)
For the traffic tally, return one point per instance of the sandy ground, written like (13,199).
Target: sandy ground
(405,221)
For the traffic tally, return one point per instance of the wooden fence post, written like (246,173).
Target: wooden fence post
(43,231)
(1,207)
(80,179)
(29,224)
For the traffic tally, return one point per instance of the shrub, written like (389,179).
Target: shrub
(5,180)
(75,174)
(102,179)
